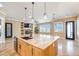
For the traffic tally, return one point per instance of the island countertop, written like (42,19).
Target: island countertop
(41,41)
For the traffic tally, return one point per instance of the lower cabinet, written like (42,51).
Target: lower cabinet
(28,50)
(25,49)
(49,51)
(37,52)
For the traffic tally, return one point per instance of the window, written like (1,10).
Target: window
(0,21)
(0,27)
(0,32)
(46,28)
(58,27)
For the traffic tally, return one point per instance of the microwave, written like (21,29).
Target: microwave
(26,25)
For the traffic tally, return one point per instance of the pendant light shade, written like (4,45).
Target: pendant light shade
(44,8)
(25,17)
(33,19)
(32,10)
(45,12)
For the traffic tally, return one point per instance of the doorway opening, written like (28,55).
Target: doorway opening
(70,30)
(8,30)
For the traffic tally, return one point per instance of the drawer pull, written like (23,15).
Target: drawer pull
(20,46)
(27,44)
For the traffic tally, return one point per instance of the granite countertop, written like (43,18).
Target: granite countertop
(41,41)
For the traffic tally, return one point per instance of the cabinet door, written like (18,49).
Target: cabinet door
(37,52)
(27,49)
(19,47)
(24,48)
(52,50)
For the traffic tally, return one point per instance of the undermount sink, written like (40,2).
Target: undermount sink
(26,38)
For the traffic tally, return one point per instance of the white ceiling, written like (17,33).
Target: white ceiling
(16,9)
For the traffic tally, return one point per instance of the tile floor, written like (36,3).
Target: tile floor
(65,48)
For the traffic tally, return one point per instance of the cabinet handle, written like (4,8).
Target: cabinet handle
(32,51)
(20,46)
(27,44)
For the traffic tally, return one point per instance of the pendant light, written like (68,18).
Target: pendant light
(45,12)
(33,19)
(1,5)
(25,13)
(32,10)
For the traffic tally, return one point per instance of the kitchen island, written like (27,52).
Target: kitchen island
(39,45)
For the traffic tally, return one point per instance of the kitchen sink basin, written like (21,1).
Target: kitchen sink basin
(26,38)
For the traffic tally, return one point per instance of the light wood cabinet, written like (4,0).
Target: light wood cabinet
(25,49)
(28,50)
(49,51)
(37,52)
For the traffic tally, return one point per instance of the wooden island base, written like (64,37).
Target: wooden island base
(25,49)
(30,49)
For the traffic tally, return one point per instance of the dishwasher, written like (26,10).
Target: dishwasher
(15,44)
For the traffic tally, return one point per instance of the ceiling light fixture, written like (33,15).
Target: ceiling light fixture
(25,13)
(32,10)
(33,19)
(1,5)
(45,12)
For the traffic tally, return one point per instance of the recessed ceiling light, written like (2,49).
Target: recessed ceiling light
(1,5)
(30,17)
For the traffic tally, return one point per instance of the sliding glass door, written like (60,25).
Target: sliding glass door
(70,33)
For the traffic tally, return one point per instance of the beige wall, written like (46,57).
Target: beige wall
(16,29)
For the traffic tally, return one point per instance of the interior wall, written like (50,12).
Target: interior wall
(16,29)
(78,27)
(2,38)
(63,20)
